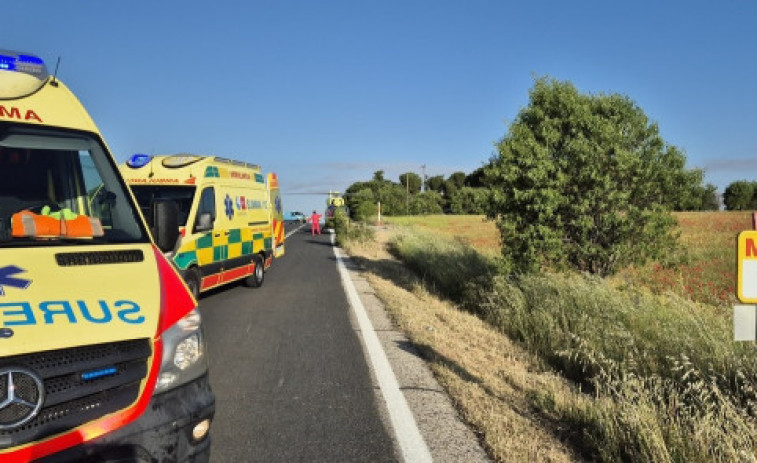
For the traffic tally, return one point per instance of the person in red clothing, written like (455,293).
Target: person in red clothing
(315,223)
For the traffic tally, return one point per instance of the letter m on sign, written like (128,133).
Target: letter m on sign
(747,267)
(751,249)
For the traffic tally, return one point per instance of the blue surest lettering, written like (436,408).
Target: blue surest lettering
(57,312)
(132,309)
(106,315)
(64,309)
(23,316)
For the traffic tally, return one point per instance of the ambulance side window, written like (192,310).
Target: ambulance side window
(101,201)
(206,207)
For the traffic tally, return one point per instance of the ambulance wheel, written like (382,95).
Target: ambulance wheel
(256,279)
(192,277)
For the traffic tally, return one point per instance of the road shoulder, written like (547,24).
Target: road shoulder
(447,437)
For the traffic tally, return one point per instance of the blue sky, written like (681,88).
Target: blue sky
(326,92)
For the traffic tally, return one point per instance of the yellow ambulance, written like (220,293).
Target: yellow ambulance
(231,221)
(102,355)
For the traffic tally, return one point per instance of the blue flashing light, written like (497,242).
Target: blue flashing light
(31,59)
(138,160)
(95,374)
(23,63)
(7,62)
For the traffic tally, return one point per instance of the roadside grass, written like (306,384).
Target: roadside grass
(487,376)
(704,271)
(473,230)
(655,377)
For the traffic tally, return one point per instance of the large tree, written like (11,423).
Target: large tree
(738,196)
(476,178)
(435,183)
(457,179)
(362,198)
(584,181)
(429,202)
(469,200)
(411,181)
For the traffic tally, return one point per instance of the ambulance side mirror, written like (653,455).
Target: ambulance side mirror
(165,224)
(204,222)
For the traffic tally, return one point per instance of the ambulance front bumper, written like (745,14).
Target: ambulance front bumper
(164,432)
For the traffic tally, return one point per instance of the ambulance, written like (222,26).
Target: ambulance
(102,355)
(231,220)
(335,202)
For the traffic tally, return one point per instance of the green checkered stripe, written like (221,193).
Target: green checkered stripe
(238,243)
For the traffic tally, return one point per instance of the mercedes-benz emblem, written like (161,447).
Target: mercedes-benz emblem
(21,396)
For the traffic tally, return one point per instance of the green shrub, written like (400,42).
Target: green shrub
(585,182)
(347,230)
(452,268)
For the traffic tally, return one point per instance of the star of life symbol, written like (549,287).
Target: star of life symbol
(7,278)
(21,396)
(229,204)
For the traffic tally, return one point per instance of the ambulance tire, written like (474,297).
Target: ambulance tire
(192,277)
(256,279)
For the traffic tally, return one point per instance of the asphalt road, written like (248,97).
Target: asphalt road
(287,367)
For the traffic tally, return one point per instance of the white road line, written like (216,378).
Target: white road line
(295,230)
(406,432)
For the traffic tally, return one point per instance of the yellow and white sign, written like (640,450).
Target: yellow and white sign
(747,267)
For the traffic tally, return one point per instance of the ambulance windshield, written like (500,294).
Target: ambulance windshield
(58,187)
(181,195)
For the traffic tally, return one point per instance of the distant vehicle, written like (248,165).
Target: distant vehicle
(295,216)
(334,203)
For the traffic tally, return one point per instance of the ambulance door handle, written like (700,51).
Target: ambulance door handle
(217,235)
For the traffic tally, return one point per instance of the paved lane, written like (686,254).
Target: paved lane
(288,370)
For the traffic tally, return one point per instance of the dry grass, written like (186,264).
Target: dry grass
(666,381)
(704,271)
(490,379)
(474,230)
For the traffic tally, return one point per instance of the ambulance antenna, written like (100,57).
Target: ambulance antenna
(54,82)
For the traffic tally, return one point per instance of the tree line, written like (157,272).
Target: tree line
(582,181)
(740,195)
(457,194)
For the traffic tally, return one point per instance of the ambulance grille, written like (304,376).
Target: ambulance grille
(69,259)
(82,384)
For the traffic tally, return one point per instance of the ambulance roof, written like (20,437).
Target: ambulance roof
(176,161)
(188,169)
(29,95)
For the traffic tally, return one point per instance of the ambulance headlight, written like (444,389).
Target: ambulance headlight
(20,74)
(184,353)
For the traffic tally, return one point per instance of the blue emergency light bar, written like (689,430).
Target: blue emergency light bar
(24,63)
(138,160)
